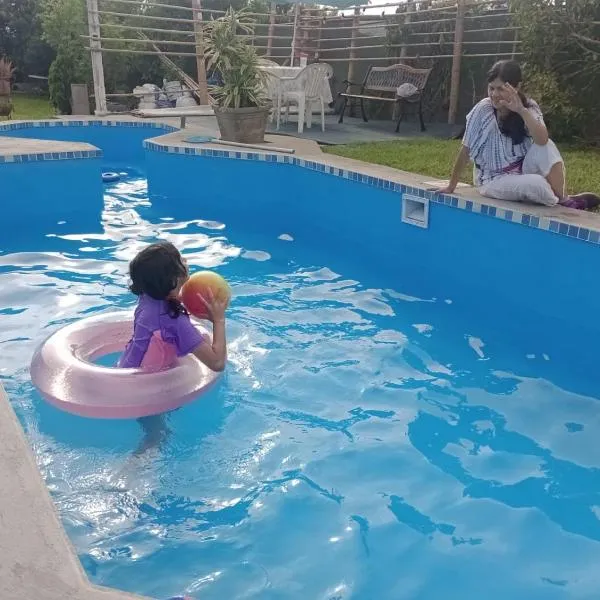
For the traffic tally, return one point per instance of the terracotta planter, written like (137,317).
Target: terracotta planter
(6,106)
(5,86)
(243,125)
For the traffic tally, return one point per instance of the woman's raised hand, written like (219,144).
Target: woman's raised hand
(512,99)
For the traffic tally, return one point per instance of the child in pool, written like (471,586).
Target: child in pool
(162,328)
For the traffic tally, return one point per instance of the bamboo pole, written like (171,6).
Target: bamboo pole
(340,49)
(516,43)
(96,56)
(170,65)
(419,45)
(140,16)
(141,28)
(148,52)
(272,14)
(515,34)
(402,3)
(432,57)
(410,6)
(352,54)
(145,41)
(380,24)
(294,35)
(438,33)
(200,62)
(186,8)
(372,26)
(178,31)
(456,62)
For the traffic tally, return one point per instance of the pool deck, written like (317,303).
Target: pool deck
(11,147)
(310,150)
(37,560)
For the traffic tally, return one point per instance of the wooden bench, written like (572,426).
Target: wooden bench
(399,84)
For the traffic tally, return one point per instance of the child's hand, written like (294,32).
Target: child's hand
(215,307)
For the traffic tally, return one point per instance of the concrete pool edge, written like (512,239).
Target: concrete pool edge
(36,557)
(77,586)
(580,225)
(19,150)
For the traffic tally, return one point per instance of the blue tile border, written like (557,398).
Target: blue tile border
(9,126)
(16,125)
(513,216)
(47,156)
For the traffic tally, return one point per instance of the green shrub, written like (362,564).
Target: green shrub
(64,21)
(66,69)
(562,58)
(562,114)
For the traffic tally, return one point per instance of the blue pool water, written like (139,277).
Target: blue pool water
(385,430)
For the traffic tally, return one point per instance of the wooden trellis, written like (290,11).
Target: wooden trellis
(318,33)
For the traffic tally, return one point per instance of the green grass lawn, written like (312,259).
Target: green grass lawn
(434,158)
(31,107)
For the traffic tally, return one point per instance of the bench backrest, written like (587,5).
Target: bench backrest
(389,79)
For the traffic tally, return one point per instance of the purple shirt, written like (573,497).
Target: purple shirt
(158,338)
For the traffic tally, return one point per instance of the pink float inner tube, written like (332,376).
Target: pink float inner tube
(63,371)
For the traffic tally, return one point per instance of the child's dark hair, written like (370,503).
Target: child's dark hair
(155,271)
(512,124)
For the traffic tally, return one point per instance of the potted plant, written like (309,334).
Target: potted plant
(6,73)
(241,106)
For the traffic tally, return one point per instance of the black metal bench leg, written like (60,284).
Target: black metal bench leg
(344,104)
(400,115)
(421,115)
(362,111)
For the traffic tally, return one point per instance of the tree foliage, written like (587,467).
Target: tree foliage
(235,61)
(64,21)
(21,37)
(561,42)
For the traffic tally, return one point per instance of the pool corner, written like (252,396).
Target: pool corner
(36,558)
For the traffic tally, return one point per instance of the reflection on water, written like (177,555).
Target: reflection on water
(365,443)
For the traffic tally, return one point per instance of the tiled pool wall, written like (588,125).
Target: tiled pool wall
(117,147)
(498,258)
(466,246)
(43,187)
(493,259)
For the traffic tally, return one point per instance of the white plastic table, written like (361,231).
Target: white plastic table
(283,81)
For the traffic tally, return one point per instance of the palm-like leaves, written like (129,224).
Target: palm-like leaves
(229,54)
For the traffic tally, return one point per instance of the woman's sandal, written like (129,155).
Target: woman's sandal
(585,201)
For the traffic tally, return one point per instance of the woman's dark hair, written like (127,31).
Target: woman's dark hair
(156,271)
(511,124)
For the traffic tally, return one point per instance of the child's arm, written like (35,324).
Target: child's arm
(214,356)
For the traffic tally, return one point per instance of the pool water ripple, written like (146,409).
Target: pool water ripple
(365,443)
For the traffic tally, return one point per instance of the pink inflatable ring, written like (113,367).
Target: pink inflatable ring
(63,372)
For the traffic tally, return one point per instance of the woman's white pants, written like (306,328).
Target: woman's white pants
(532,184)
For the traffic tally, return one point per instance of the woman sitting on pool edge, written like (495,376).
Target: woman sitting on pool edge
(162,327)
(507,139)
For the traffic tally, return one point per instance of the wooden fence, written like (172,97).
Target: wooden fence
(448,34)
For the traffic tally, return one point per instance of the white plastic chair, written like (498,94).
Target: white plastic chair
(304,90)
(273,91)
(266,62)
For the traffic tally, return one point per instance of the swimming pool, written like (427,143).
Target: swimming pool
(407,413)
